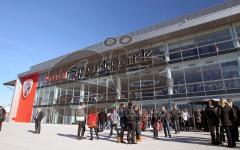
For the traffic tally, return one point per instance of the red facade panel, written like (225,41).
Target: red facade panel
(28,92)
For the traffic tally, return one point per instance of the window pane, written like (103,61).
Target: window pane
(187,44)
(174,47)
(175,56)
(191,52)
(230,69)
(193,75)
(238,31)
(225,45)
(213,86)
(222,35)
(211,72)
(193,88)
(179,89)
(232,84)
(204,39)
(159,50)
(178,77)
(207,49)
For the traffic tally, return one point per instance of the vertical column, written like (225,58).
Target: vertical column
(169,77)
(119,88)
(82,92)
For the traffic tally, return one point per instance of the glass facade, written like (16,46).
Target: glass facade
(203,65)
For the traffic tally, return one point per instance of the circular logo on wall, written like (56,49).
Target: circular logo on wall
(125,39)
(110,41)
(27,86)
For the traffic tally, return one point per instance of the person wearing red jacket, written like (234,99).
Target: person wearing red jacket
(92,121)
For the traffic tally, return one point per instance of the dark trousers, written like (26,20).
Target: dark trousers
(81,128)
(230,136)
(114,126)
(236,132)
(198,125)
(182,126)
(222,135)
(176,126)
(166,128)
(0,125)
(215,135)
(138,129)
(96,132)
(186,125)
(102,126)
(37,126)
(131,132)
(155,132)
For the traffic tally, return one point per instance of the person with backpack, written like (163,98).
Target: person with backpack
(115,120)
(2,116)
(131,123)
(81,118)
(92,121)
(123,120)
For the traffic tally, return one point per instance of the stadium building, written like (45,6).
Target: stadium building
(183,61)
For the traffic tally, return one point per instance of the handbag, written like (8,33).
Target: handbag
(80,118)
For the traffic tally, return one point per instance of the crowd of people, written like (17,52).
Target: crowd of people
(223,117)
(220,117)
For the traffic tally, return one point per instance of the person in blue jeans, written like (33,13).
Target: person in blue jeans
(175,118)
(165,117)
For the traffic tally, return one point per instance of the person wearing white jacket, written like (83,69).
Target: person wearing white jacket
(115,122)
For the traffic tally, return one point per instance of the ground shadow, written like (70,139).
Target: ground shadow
(31,131)
(68,135)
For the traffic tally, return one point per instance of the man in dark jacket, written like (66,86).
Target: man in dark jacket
(102,120)
(2,116)
(227,121)
(236,119)
(131,123)
(165,117)
(213,122)
(38,118)
(175,118)
(123,120)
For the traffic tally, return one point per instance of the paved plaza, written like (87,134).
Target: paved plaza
(20,136)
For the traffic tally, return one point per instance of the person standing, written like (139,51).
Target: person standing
(2,116)
(165,117)
(185,117)
(81,118)
(227,120)
(38,118)
(123,120)
(198,119)
(92,121)
(236,117)
(131,123)
(175,118)
(155,123)
(138,123)
(115,120)
(213,122)
(102,120)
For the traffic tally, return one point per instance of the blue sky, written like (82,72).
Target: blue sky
(33,31)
